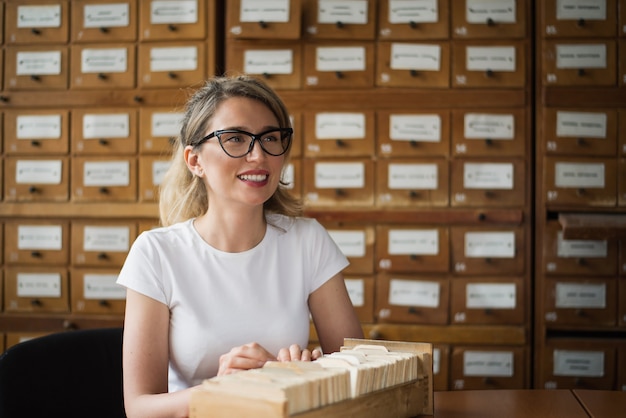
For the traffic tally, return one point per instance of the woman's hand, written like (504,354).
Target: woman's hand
(295,353)
(248,356)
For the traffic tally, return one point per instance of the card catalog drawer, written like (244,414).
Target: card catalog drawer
(584,132)
(256,20)
(104,21)
(152,168)
(104,179)
(36,67)
(339,134)
(577,257)
(339,182)
(578,19)
(405,299)
(104,131)
(575,301)
(488,183)
(41,132)
(324,19)
(34,242)
(419,20)
(489,133)
(36,289)
(339,65)
(171,65)
(418,65)
(101,244)
(621,315)
(621,186)
(488,250)
(579,63)
(172,20)
(357,243)
(278,64)
(291,179)
(496,20)
(412,248)
(361,292)
(99,66)
(488,301)
(580,181)
(488,368)
(159,128)
(409,133)
(31,22)
(36,179)
(496,64)
(412,182)
(441,367)
(94,291)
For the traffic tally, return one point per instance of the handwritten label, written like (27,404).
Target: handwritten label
(35,285)
(571,248)
(414,293)
(578,363)
(405,56)
(173,11)
(278,61)
(39,171)
(581,124)
(40,237)
(102,286)
(39,16)
(97,126)
(264,11)
(38,127)
(490,244)
(479,11)
(577,175)
(173,59)
(580,295)
(412,176)
(488,363)
(351,11)
(356,291)
(340,126)
(106,15)
(490,295)
(581,56)
(494,58)
(339,175)
(104,60)
(340,58)
(482,126)
(488,176)
(581,9)
(114,173)
(420,128)
(413,242)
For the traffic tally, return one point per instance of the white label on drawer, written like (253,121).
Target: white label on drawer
(104,60)
(97,126)
(106,238)
(39,16)
(340,58)
(34,237)
(264,11)
(102,286)
(38,127)
(578,363)
(488,363)
(494,58)
(38,63)
(174,11)
(173,58)
(421,128)
(581,56)
(580,295)
(405,56)
(483,126)
(413,242)
(106,15)
(333,11)
(159,168)
(581,124)
(490,295)
(567,248)
(38,171)
(340,126)
(114,173)
(288,176)
(490,244)
(338,175)
(436,360)
(488,176)
(166,124)
(580,9)
(36,285)
(413,293)
(577,175)
(268,61)
(479,11)
(418,11)
(412,176)
(351,243)
(356,291)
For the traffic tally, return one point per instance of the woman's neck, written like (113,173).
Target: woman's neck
(232,231)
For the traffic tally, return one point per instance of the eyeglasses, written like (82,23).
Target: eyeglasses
(237,144)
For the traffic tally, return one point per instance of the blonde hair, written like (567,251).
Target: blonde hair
(183,195)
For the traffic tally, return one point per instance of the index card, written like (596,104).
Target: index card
(174,11)
(104,60)
(413,177)
(159,168)
(39,16)
(490,244)
(351,11)
(577,175)
(494,58)
(578,363)
(413,242)
(418,11)
(581,124)
(577,248)
(40,237)
(414,293)
(106,238)
(580,9)
(415,57)
(114,173)
(166,124)
(492,126)
(38,285)
(356,291)
(490,295)
(106,15)
(340,58)
(38,171)
(351,243)
(421,128)
(340,126)
(38,63)
(479,11)
(339,175)
(264,11)
(488,176)
(173,59)
(97,126)
(102,286)
(278,61)
(488,363)
(580,295)
(38,127)
(581,56)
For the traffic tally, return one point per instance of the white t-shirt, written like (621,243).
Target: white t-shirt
(220,300)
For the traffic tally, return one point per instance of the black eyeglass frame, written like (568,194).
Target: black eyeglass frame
(284,132)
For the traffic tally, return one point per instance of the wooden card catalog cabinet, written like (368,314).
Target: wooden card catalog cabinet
(339,65)
(291,178)
(487,368)
(577,364)
(487,301)
(100,244)
(402,20)
(575,301)
(104,21)
(489,19)
(159,128)
(34,242)
(404,64)
(583,132)
(579,63)
(36,67)
(339,134)
(152,168)
(104,131)
(36,179)
(339,182)
(496,64)
(578,19)
(489,133)
(361,293)
(406,299)
(102,66)
(409,133)
(171,65)
(251,19)
(357,244)
(95,291)
(172,20)
(40,132)
(412,249)
(36,289)
(339,19)
(100,179)
(36,22)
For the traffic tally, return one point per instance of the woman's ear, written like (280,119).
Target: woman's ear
(193,161)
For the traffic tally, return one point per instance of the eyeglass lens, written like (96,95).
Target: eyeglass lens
(238,144)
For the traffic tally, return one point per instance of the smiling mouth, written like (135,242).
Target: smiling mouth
(254,177)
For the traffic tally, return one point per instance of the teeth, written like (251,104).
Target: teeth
(253,177)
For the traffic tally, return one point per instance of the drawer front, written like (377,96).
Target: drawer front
(171,65)
(35,242)
(94,291)
(36,289)
(339,134)
(98,179)
(357,244)
(40,132)
(361,292)
(489,301)
(339,182)
(415,65)
(477,19)
(324,20)
(579,364)
(101,244)
(578,21)
(36,179)
(104,21)
(152,168)
(48,23)
(579,63)
(408,133)
(414,23)
(159,129)
(36,67)
(102,66)
(261,21)
(163,20)
(441,367)
(412,248)
(104,131)
(339,65)
(490,367)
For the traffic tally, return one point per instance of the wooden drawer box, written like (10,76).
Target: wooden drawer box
(36,179)
(488,301)
(104,21)
(421,21)
(40,132)
(152,168)
(159,128)
(99,179)
(577,21)
(32,22)
(579,63)
(36,242)
(36,289)
(342,20)
(263,21)
(357,244)
(412,248)
(101,243)
(94,291)
(339,134)
(339,65)
(487,367)
(492,64)
(361,292)
(409,133)
(163,20)
(476,19)
(29,67)
(103,66)
(104,131)
(339,182)
(413,65)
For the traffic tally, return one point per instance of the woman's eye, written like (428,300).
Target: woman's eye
(270,138)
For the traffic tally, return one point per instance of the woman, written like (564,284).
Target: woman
(233,277)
